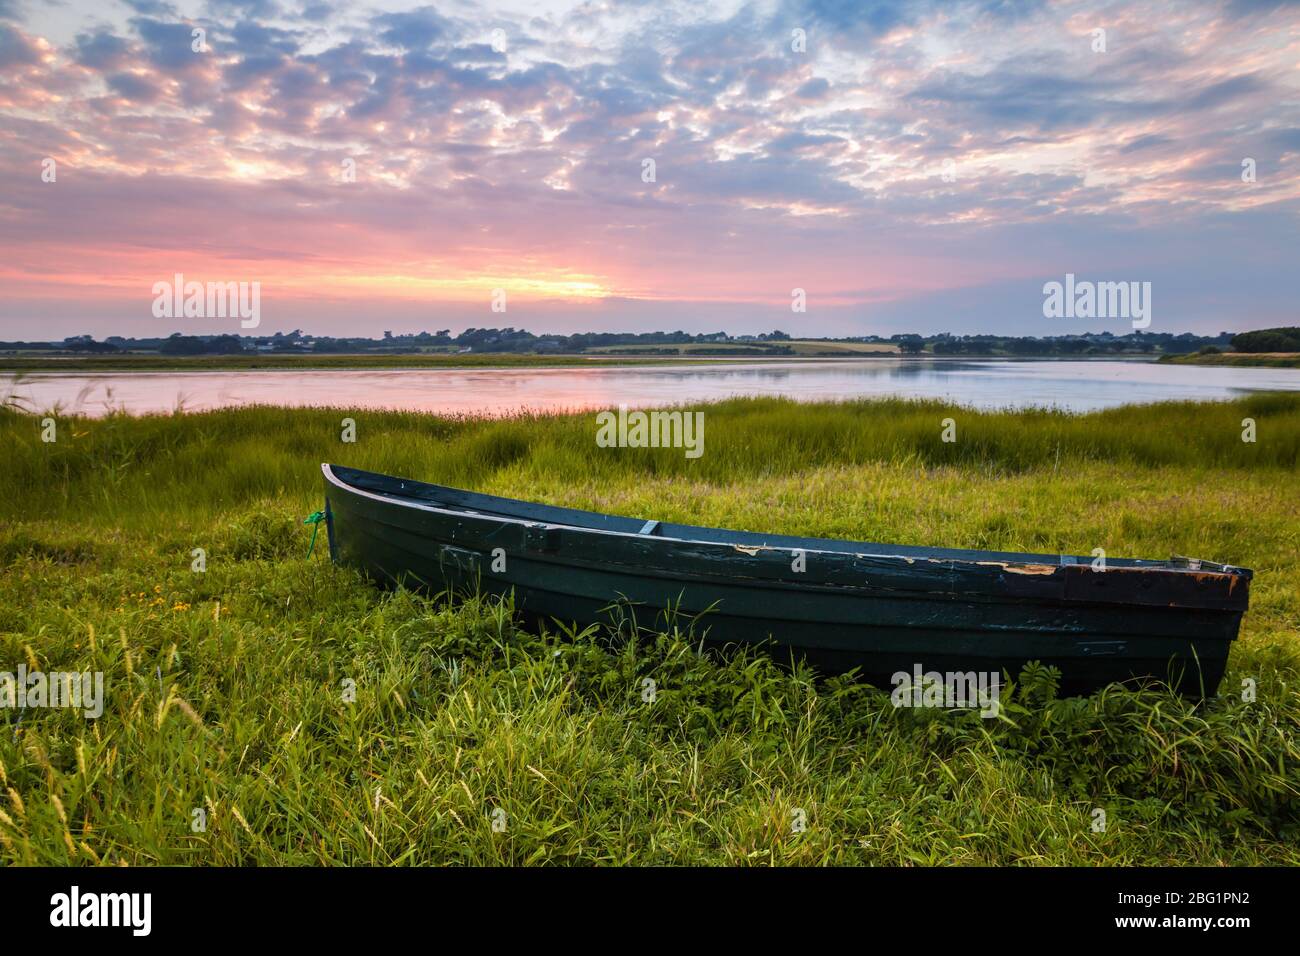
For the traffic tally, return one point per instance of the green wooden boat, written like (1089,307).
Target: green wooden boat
(842,605)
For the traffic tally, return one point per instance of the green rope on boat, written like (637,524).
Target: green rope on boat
(314,519)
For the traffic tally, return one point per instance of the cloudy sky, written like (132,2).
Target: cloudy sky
(922,166)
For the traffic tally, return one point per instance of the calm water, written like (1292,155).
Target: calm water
(1075,385)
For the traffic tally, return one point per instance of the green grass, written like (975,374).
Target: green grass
(224,688)
(847,349)
(1242,359)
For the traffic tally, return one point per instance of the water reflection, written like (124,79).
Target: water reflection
(1075,385)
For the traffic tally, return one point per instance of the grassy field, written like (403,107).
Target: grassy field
(805,348)
(226,736)
(701,349)
(1252,359)
(844,349)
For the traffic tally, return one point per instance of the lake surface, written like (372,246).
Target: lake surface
(1073,385)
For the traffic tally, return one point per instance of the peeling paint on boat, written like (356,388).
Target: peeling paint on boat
(1022,568)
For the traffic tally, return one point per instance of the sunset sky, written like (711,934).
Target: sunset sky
(521,168)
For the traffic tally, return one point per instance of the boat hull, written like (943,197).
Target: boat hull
(880,610)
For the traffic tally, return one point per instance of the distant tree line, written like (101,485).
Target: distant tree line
(1268,340)
(73,343)
(512,340)
(1100,343)
(178,344)
(471,340)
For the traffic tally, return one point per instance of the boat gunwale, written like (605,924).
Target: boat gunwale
(1014,562)
(822,588)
